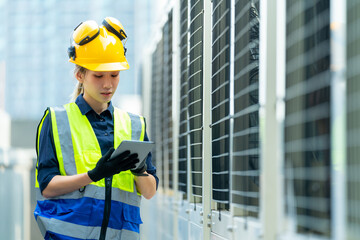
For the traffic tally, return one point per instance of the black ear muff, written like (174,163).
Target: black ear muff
(71,52)
(112,30)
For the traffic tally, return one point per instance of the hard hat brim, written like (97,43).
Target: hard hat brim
(104,67)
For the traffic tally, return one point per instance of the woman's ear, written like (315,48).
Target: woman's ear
(80,76)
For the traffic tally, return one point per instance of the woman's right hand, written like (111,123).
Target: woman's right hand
(107,166)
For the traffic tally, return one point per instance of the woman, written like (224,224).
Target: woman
(83,192)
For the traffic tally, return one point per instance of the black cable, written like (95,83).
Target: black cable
(107,208)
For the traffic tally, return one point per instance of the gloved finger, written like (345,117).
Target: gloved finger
(131,164)
(120,157)
(127,167)
(108,153)
(124,167)
(124,154)
(134,160)
(131,167)
(117,170)
(125,164)
(132,156)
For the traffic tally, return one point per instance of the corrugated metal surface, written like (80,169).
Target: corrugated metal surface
(305,125)
(183,123)
(307,116)
(220,94)
(167,132)
(195,93)
(245,173)
(157,110)
(353,119)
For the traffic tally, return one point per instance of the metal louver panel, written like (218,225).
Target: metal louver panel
(353,120)
(183,129)
(195,96)
(167,101)
(220,100)
(157,110)
(307,116)
(245,168)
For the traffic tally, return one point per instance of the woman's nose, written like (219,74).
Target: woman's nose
(107,82)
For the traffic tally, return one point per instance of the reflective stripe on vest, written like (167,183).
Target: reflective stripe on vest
(62,138)
(93,192)
(78,151)
(82,231)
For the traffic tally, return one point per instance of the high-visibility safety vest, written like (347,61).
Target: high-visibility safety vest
(79,214)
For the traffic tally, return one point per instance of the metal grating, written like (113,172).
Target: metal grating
(220,101)
(307,117)
(245,135)
(157,110)
(195,95)
(353,119)
(183,126)
(167,101)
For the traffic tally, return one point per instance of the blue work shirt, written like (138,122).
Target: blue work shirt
(103,126)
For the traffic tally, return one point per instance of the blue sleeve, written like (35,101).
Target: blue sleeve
(48,165)
(151,169)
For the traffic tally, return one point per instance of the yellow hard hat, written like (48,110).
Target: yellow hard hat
(99,48)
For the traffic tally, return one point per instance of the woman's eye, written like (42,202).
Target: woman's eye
(98,76)
(115,75)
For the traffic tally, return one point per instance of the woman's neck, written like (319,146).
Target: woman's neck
(96,106)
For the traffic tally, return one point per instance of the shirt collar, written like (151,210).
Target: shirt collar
(85,107)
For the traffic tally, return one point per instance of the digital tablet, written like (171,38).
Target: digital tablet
(142,148)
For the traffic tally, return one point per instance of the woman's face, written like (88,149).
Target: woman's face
(99,87)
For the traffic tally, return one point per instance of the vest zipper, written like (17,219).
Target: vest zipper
(107,208)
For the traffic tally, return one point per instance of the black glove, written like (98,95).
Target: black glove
(139,171)
(106,166)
